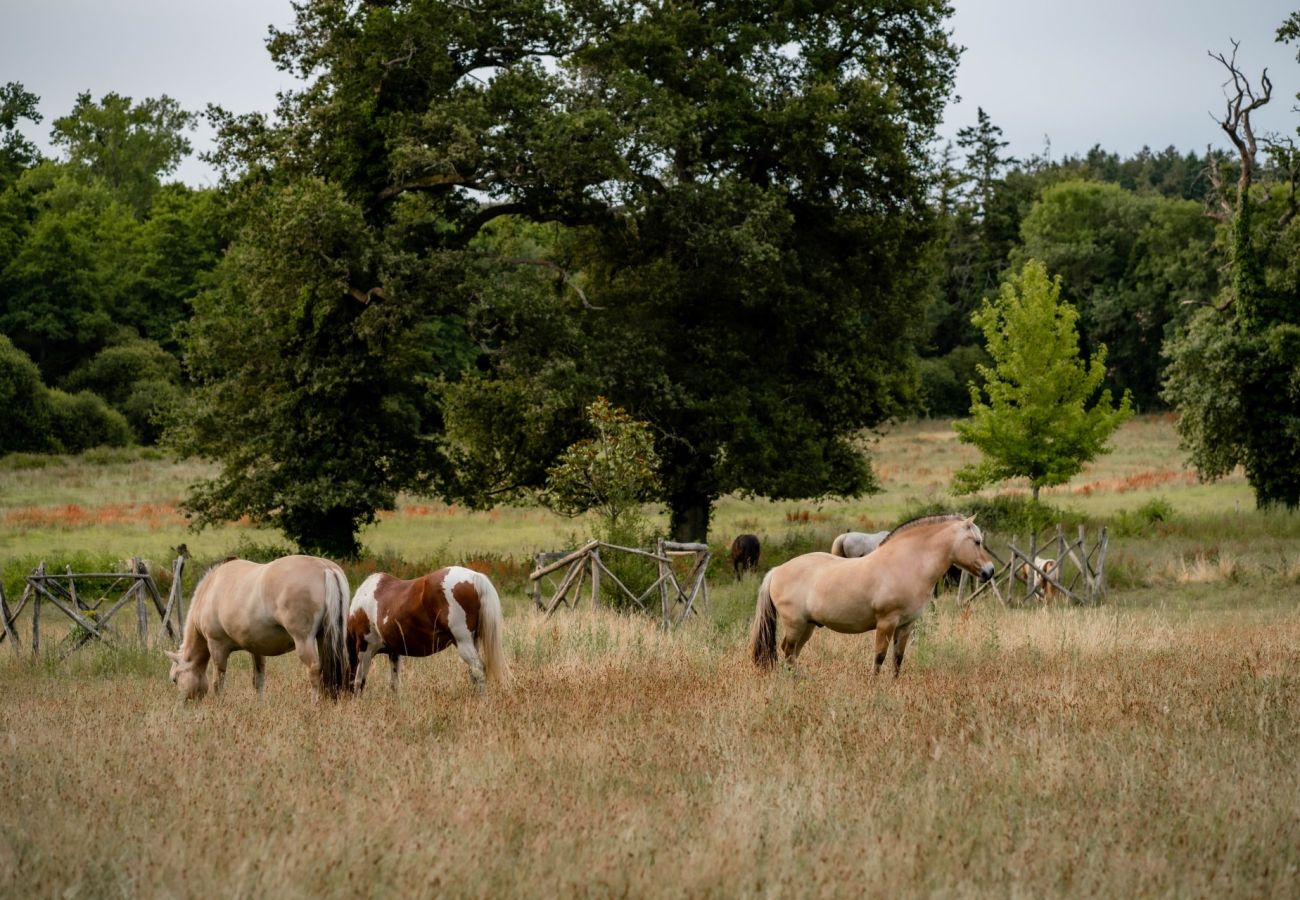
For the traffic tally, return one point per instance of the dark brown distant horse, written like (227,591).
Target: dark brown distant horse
(744,553)
(400,618)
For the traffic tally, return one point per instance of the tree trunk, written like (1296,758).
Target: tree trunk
(690,517)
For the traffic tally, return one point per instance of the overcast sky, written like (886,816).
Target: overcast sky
(1120,73)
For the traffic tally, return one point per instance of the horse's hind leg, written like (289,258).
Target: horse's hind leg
(469,653)
(793,636)
(259,674)
(884,631)
(305,647)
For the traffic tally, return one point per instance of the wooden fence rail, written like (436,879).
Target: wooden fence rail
(1026,581)
(80,596)
(677,597)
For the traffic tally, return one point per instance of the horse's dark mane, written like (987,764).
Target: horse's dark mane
(921,520)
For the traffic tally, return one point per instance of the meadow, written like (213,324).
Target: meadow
(1145,746)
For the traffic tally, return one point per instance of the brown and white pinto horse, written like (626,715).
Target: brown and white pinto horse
(884,591)
(294,603)
(400,618)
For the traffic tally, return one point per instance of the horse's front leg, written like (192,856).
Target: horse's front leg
(395,673)
(901,635)
(259,674)
(220,656)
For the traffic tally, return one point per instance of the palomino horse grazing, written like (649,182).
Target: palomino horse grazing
(744,553)
(400,618)
(852,544)
(885,591)
(293,603)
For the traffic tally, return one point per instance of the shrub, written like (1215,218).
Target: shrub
(25,401)
(147,407)
(138,378)
(114,372)
(83,420)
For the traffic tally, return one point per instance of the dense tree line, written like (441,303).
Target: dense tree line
(732,221)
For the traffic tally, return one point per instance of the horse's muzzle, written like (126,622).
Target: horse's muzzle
(986,572)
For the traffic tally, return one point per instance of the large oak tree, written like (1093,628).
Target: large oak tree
(739,192)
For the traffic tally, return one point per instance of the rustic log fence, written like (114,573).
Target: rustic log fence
(676,596)
(1026,582)
(81,595)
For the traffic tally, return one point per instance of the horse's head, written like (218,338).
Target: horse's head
(968,550)
(191,681)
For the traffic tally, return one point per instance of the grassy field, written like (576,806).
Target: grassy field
(1147,746)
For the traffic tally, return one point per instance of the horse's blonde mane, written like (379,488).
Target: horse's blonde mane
(922,520)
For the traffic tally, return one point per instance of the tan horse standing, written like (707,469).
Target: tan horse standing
(294,603)
(885,590)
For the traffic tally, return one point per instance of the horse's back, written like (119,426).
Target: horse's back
(262,606)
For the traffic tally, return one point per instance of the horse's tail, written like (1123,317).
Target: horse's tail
(331,638)
(762,635)
(837,547)
(488,637)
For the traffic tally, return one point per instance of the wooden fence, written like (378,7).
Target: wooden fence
(1078,575)
(80,596)
(676,596)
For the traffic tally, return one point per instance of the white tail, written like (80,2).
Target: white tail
(489,637)
(331,640)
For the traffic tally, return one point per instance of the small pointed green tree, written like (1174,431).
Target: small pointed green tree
(1042,412)
(612,473)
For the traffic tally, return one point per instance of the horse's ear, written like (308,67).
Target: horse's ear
(173,655)
(971,520)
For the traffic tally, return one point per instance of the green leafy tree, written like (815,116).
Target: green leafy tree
(743,193)
(1042,411)
(75,259)
(127,145)
(1133,265)
(612,472)
(1234,375)
(17,153)
(315,402)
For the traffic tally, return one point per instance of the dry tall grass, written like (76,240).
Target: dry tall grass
(1109,751)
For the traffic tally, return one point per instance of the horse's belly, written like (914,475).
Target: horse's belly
(855,622)
(263,637)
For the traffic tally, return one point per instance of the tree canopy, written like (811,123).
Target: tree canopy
(743,193)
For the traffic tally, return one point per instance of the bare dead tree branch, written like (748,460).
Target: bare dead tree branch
(1242,100)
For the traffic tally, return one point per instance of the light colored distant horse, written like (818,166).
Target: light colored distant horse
(400,618)
(1037,583)
(852,544)
(294,603)
(885,591)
